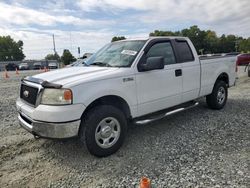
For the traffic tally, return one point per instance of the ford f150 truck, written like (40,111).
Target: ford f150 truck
(137,80)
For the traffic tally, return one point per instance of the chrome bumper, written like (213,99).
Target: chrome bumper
(49,130)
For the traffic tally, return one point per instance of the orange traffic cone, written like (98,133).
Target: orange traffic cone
(6,74)
(145,183)
(17,72)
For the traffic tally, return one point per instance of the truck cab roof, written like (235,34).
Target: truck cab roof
(155,37)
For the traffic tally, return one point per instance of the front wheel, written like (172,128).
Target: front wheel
(103,130)
(218,98)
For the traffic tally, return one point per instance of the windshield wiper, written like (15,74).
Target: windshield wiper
(99,63)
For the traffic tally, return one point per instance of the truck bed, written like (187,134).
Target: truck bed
(212,67)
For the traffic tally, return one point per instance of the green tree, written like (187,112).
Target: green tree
(207,41)
(194,33)
(67,57)
(53,57)
(117,38)
(10,49)
(197,36)
(227,43)
(164,33)
(244,45)
(211,42)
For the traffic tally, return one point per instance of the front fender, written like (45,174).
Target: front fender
(88,92)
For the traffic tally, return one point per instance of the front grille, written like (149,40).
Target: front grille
(28,93)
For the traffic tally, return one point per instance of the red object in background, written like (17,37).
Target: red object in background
(243,59)
(145,183)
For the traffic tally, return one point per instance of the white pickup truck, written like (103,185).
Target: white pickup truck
(137,80)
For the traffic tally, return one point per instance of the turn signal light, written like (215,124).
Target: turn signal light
(67,95)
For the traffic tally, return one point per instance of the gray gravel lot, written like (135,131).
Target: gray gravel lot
(196,148)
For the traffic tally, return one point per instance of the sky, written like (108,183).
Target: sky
(90,24)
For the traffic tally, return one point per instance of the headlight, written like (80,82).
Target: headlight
(57,96)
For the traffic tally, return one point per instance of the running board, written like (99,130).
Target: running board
(161,115)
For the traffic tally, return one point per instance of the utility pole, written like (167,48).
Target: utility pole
(54,44)
(79,52)
(70,37)
(55,53)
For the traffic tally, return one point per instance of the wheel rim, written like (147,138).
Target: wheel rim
(221,95)
(107,132)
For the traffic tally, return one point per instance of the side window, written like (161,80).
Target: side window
(184,51)
(163,49)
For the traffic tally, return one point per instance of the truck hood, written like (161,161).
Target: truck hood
(70,75)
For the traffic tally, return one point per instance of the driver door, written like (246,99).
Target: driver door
(162,88)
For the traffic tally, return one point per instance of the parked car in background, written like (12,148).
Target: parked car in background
(243,59)
(24,66)
(37,66)
(11,67)
(53,65)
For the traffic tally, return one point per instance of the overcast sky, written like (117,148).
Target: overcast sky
(92,23)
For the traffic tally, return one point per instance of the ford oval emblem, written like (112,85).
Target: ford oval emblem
(26,93)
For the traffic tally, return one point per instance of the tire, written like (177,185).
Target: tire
(103,130)
(218,98)
(249,71)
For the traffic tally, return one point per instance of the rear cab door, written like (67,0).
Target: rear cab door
(191,68)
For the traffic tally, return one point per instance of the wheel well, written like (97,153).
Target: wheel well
(113,100)
(223,77)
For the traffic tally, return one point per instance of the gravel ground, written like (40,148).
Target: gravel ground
(196,148)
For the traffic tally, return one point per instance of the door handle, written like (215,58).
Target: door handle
(178,72)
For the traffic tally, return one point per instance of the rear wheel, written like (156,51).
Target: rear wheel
(103,130)
(218,98)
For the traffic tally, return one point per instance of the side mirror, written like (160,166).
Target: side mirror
(152,63)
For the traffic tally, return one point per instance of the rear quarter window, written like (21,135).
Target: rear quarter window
(184,51)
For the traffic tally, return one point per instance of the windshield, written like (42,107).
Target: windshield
(116,54)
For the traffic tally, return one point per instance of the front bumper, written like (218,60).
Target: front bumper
(50,121)
(49,130)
